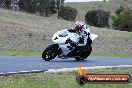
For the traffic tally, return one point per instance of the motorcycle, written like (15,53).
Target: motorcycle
(65,46)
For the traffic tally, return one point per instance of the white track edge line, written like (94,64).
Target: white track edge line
(87,68)
(62,70)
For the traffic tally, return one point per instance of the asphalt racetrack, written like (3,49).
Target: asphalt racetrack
(27,63)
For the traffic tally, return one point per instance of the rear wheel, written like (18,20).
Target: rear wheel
(79,58)
(83,54)
(49,53)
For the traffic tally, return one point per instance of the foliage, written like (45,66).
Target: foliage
(5,3)
(42,7)
(119,10)
(122,20)
(27,5)
(117,21)
(97,18)
(59,4)
(127,21)
(68,13)
(8,4)
(104,0)
(52,6)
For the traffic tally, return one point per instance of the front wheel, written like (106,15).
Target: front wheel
(49,53)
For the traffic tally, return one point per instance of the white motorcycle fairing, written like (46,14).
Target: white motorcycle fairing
(93,37)
(60,38)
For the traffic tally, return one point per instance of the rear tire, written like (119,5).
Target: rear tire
(84,53)
(79,59)
(49,53)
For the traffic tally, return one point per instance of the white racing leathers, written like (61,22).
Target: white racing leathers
(84,36)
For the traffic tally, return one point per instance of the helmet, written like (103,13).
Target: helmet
(78,26)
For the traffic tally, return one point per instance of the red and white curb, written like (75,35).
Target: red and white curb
(62,70)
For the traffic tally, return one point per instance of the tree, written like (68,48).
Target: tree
(97,18)
(27,5)
(123,20)
(45,7)
(59,3)
(104,0)
(7,3)
(1,3)
(42,7)
(52,6)
(68,13)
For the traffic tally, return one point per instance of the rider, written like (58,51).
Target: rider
(83,31)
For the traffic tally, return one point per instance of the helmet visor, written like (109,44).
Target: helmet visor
(78,29)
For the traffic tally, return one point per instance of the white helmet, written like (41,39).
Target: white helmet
(79,25)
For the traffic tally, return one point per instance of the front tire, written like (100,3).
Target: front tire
(49,53)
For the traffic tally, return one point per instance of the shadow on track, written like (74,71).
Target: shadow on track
(59,60)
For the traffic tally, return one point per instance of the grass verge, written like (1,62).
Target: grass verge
(20,53)
(60,80)
(32,53)
(101,54)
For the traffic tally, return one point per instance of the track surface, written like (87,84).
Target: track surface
(24,63)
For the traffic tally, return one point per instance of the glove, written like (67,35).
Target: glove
(71,42)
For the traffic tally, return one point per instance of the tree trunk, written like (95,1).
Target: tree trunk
(104,0)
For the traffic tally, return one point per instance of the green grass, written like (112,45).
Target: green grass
(32,53)
(102,54)
(59,80)
(20,53)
